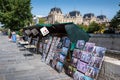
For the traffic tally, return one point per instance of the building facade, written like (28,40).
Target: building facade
(56,16)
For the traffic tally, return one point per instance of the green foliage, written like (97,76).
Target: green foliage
(115,22)
(93,27)
(15,14)
(83,27)
(42,20)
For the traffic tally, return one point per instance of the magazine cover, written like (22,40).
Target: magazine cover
(92,72)
(78,76)
(86,56)
(99,51)
(81,66)
(74,61)
(95,62)
(89,46)
(80,44)
(77,53)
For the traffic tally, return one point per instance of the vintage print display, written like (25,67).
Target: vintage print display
(59,66)
(86,56)
(89,47)
(92,72)
(78,76)
(80,44)
(81,66)
(99,51)
(44,31)
(77,53)
(95,62)
(62,58)
(74,61)
(64,50)
(90,61)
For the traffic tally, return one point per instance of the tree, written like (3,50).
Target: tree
(15,14)
(83,27)
(93,27)
(42,20)
(115,22)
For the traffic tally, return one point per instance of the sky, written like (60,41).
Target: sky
(98,7)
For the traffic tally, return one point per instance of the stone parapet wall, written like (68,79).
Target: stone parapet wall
(110,41)
(110,69)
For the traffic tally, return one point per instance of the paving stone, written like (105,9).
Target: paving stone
(15,66)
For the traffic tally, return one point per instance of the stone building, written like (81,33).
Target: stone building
(56,16)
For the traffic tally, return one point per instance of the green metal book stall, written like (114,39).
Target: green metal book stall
(65,47)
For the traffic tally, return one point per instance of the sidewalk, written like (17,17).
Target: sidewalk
(14,66)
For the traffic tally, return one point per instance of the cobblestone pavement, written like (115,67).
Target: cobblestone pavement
(14,66)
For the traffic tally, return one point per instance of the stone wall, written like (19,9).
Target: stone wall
(110,69)
(111,65)
(110,41)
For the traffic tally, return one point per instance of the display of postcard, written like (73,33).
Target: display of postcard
(74,61)
(78,76)
(80,44)
(86,56)
(95,62)
(92,72)
(62,58)
(77,53)
(99,51)
(81,66)
(89,47)
(64,50)
(59,66)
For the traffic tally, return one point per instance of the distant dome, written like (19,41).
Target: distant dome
(74,13)
(55,9)
(88,15)
(101,17)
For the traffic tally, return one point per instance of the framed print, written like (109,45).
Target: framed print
(95,62)
(74,61)
(99,51)
(64,50)
(78,76)
(62,58)
(86,56)
(77,53)
(89,47)
(80,44)
(92,72)
(59,66)
(81,66)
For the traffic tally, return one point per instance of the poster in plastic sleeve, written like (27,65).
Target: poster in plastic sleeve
(44,31)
